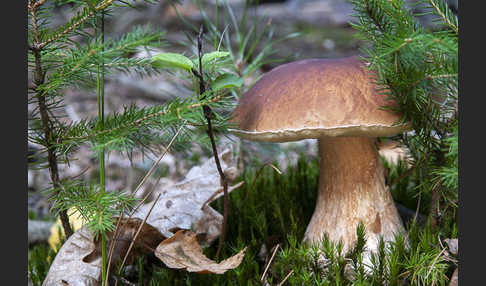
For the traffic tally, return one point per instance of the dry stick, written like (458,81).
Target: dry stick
(115,236)
(286,277)
(225,185)
(158,160)
(145,198)
(258,175)
(218,191)
(269,262)
(136,234)
(148,174)
(80,173)
(434,206)
(112,247)
(207,114)
(403,175)
(436,195)
(433,262)
(417,209)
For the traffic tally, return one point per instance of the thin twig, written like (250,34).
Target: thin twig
(145,198)
(403,175)
(218,191)
(269,262)
(80,173)
(433,262)
(258,175)
(112,246)
(100,7)
(435,205)
(158,160)
(444,18)
(207,114)
(417,209)
(146,176)
(136,234)
(431,77)
(286,277)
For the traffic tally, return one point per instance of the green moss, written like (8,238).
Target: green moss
(40,258)
(275,209)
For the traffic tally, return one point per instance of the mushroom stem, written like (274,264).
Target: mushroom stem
(352,189)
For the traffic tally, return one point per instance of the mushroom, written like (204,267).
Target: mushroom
(334,101)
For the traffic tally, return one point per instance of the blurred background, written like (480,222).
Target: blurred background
(297,29)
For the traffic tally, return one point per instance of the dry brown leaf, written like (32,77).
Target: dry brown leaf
(182,251)
(453,244)
(78,262)
(180,204)
(180,207)
(147,240)
(393,151)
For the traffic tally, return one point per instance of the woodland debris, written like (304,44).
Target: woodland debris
(181,206)
(78,262)
(184,205)
(393,151)
(70,268)
(182,251)
(453,244)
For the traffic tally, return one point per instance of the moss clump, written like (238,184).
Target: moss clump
(272,209)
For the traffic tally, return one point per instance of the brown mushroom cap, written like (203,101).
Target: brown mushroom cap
(313,98)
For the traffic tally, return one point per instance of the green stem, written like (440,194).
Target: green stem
(101,113)
(103,259)
(100,79)
(217,23)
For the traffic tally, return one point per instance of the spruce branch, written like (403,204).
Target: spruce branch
(441,11)
(34,4)
(372,15)
(174,110)
(39,78)
(78,64)
(417,68)
(75,23)
(432,77)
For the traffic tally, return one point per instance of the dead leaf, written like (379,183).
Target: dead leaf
(182,251)
(68,268)
(393,151)
(180,204)
(453,244)
(455,278)
(78,262)
(147,240)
